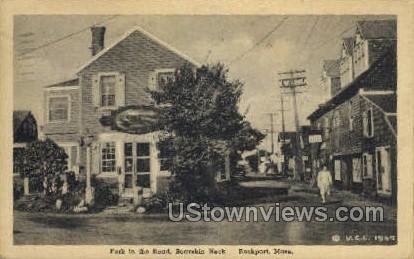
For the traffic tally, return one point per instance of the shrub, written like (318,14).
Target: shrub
(155,204)
(70,200)
(104,196)
(44,160)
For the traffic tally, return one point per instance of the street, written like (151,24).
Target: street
(101,228)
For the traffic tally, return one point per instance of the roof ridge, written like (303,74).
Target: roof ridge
(126,35)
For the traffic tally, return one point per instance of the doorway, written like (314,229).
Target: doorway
(137,163)
(383,170)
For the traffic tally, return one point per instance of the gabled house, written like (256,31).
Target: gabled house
(24,131)
(102,116)
(24,128)
(358,123)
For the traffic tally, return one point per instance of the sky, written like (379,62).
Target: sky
(239,42)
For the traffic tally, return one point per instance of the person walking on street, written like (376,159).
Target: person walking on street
(324,181)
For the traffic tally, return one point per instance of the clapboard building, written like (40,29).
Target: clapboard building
(103,116)
(358,123)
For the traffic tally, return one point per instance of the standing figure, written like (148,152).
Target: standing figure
(324,183)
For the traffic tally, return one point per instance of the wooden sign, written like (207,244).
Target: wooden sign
(132,119)
(315,138)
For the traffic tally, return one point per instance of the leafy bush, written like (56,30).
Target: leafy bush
(104,196)
(155,204)
(35,204)
(70,200)
(44,160)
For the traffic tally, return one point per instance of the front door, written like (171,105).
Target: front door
(383,170)
(137,165)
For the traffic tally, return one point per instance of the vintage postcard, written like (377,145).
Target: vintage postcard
(206,129)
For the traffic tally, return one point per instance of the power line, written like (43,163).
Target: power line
(309,34)
(260,41)
(66,36)
(326,42)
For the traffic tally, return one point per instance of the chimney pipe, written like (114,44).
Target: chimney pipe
(98,38)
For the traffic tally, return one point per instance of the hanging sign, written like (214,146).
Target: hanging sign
(132,119)
(317,138)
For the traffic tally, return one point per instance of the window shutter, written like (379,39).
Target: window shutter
(96,158)
(152,81)
(365,123)
(369,165)
(95,91)
(120,90)
(370,121)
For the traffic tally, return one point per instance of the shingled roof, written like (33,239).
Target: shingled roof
(387,102)
(71,82)
(377,29)
(382,74)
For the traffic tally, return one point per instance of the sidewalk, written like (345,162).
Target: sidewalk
(345,197)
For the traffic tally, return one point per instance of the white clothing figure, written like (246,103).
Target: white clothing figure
(324,180)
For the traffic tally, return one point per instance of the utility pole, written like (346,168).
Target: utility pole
(282,109)
(291,80)
(282,139)
(272,131)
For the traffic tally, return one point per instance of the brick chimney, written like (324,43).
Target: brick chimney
(98,38)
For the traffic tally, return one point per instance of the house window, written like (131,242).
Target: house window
(164,77)
(337,169)
(143,165)
(368,121)
(160,78)
(108,157)
(356,170)
(165,156)
(367,165)
(107,87)
(128,166)
(58,108)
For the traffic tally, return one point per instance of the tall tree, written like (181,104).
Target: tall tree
(199,107)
